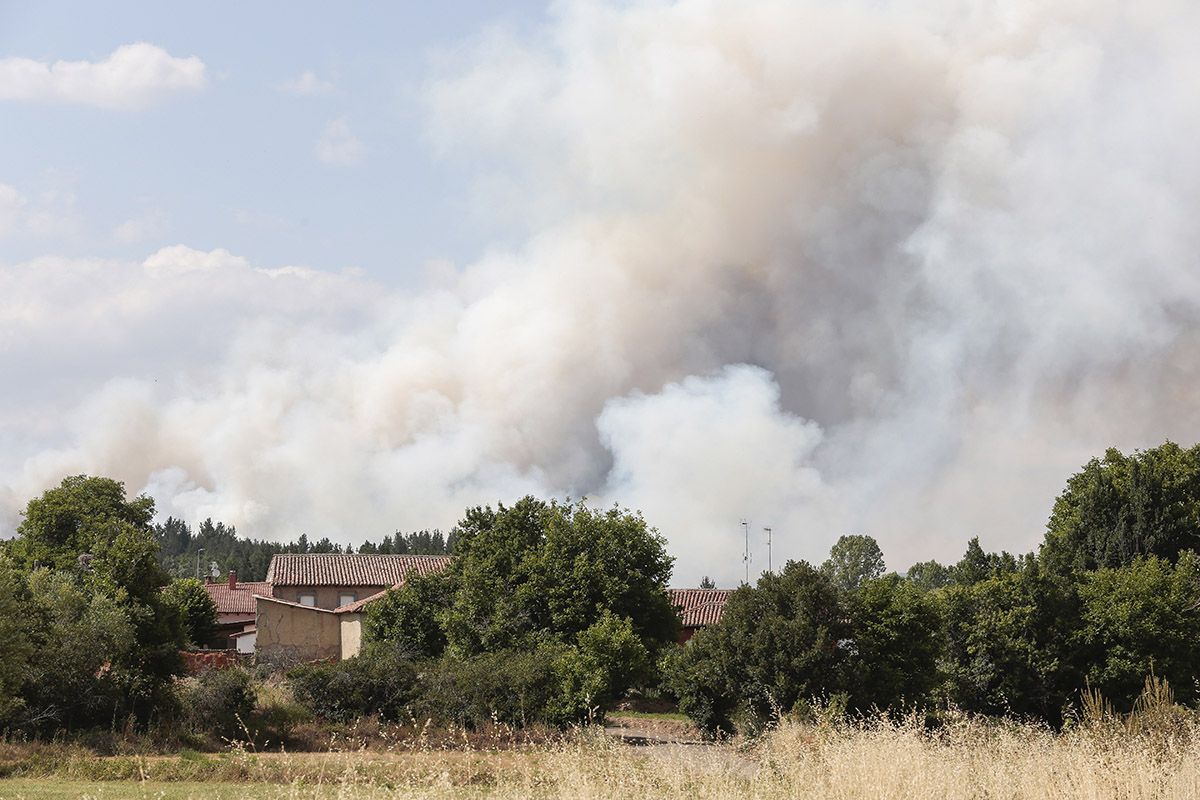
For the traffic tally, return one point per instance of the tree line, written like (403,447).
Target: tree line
(185,551)
(551,613)
(1110,597)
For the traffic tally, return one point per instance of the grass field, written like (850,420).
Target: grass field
(968,759)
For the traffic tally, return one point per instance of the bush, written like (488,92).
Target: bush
(220,703)
(516,687)
(606,662)
(379,682)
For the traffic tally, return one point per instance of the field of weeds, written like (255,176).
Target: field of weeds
(870,759)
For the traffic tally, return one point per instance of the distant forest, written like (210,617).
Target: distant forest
(185,552)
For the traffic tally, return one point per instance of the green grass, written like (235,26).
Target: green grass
(669,715)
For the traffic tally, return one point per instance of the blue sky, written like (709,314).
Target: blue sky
(233,164)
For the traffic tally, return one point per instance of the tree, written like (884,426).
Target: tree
(83,656)
(1007,648)
(779,642)
(75,518)
(408,619)
(1138,620)
(930,575)
(195,608)
(897,634)
(15,649)
(1120,507)
(707,583)
(607,660)
(546,569)
(853,560)
(93,545)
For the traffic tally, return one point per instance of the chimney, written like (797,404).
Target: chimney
(233,579)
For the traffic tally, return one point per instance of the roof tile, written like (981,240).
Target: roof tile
(699,606)
(239,600)
(349,569)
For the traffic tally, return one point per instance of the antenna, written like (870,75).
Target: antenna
(768,530)
(746,552)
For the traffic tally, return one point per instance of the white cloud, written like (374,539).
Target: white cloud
(149,224)
(338,145)
(12,208)
(306,83)
(132,76)
(50,213)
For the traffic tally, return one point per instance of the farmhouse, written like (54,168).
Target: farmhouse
(317,601)
(236,611)
(312,605)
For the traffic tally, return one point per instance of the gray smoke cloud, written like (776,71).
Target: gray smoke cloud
(897,268)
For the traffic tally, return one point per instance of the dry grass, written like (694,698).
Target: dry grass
(1102,757)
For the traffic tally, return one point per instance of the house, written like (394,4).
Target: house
(332,580)
(698,608)
(316,603)
(236,607)
(317,600)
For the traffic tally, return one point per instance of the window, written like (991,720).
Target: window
(346,599)
(308,599)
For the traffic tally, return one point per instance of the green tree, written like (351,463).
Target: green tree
(1139,619)
(930,575)
(1007,647)
(707,583)
(15,648)
(195,608)
(83,646)
(897,635)
(1119,507)
(539,569)
(408,619)
(779,642)
(853,560)
(100,546)
(607,660)
(77,517)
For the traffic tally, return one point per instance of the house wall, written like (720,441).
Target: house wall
(351,628)
(289,634)
(327,596)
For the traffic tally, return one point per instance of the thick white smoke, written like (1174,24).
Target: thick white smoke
(886,267)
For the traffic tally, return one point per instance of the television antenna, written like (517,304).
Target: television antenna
(746,552)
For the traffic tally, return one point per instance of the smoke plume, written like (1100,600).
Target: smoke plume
(894,268)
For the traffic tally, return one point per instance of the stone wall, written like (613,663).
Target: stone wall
(197,662)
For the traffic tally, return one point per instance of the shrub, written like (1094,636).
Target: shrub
(380,682)
(606,662)
(516,687)
(219,702)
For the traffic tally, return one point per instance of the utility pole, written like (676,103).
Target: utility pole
(746,552)
(768,530)
(199,552)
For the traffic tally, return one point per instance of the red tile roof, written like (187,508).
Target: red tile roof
(239,600)
(353,569)
(699,606)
